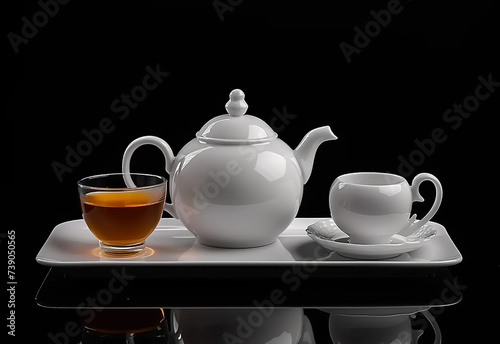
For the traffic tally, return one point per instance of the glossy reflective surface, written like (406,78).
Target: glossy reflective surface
(251,306)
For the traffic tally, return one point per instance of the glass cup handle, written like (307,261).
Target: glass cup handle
(413,225)
(167,153)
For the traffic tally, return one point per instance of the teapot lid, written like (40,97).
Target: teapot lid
(235,126)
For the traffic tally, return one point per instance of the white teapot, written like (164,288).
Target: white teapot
(258,325)
(236,184)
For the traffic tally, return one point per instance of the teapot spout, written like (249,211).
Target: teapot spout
(306,150)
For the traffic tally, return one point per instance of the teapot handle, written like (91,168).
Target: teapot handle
(167,153)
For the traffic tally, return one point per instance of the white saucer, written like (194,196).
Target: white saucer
(337,241)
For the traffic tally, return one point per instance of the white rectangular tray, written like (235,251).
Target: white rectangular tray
(71,244)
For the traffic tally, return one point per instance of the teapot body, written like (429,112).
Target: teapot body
(236,184)
(236,195)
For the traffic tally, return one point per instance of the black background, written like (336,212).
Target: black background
(393,92)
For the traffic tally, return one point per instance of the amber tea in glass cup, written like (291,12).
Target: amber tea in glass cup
(122,217)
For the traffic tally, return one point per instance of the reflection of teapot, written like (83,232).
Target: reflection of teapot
(275,252)
(267,325)
(236,184)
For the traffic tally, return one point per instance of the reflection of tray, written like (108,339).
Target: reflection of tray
(71,244)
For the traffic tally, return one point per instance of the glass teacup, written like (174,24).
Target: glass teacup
(122,217)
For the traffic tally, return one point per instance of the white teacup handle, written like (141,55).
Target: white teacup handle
(167,153)
(412,226)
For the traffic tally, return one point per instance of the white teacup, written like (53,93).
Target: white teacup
(371,207)
(352,329)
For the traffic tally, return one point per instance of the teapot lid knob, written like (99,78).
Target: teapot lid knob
(236,106)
